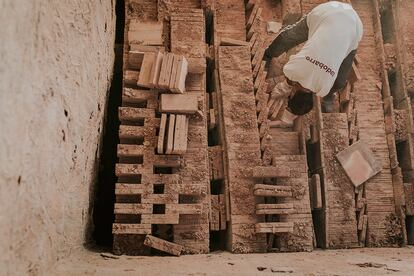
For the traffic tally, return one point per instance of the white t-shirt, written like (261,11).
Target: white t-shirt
(335,30)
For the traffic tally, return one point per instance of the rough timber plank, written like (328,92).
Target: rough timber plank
(166,246)
(242,143)
(379,189)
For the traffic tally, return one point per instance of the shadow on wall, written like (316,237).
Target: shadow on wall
(102,203)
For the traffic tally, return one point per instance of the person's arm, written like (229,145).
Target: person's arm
(289,37)
(343,72)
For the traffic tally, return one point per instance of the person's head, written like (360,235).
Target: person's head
(301,102)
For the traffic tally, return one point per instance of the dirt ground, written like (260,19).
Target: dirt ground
(378,261)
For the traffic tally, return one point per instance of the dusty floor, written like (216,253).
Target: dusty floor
(378,261)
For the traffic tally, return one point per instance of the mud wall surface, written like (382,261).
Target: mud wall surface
(56,65)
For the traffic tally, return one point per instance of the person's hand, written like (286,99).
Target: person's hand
(281,90)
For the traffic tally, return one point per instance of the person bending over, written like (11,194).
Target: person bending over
(332,32)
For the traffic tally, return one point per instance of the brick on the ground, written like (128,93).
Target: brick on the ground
(163,245)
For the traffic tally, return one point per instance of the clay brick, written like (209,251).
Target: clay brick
(128,189)
(272,190)
(363,233)
(215,155)
(145,33)
(160,218)
(128,169)
(274,209)
(316,192)
(354,75)
(184,209)
(133,114)
(212,122)
(131,77)
(180,134)
(124,228)
(214,213)
(223,215)
(252,40)
(138,96)
(146,68)
(271,171)
(179,103)
(155,70)
(224,41)
(135,59)
(191,189)
(162,245)
(130,208)
(409,199)
(165,73)
(180,76)
(125,150)
(359,163)
(274,227)
(161,135)
(252,16)
(170,135)
(360,223)
(163,161)
(174,68)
